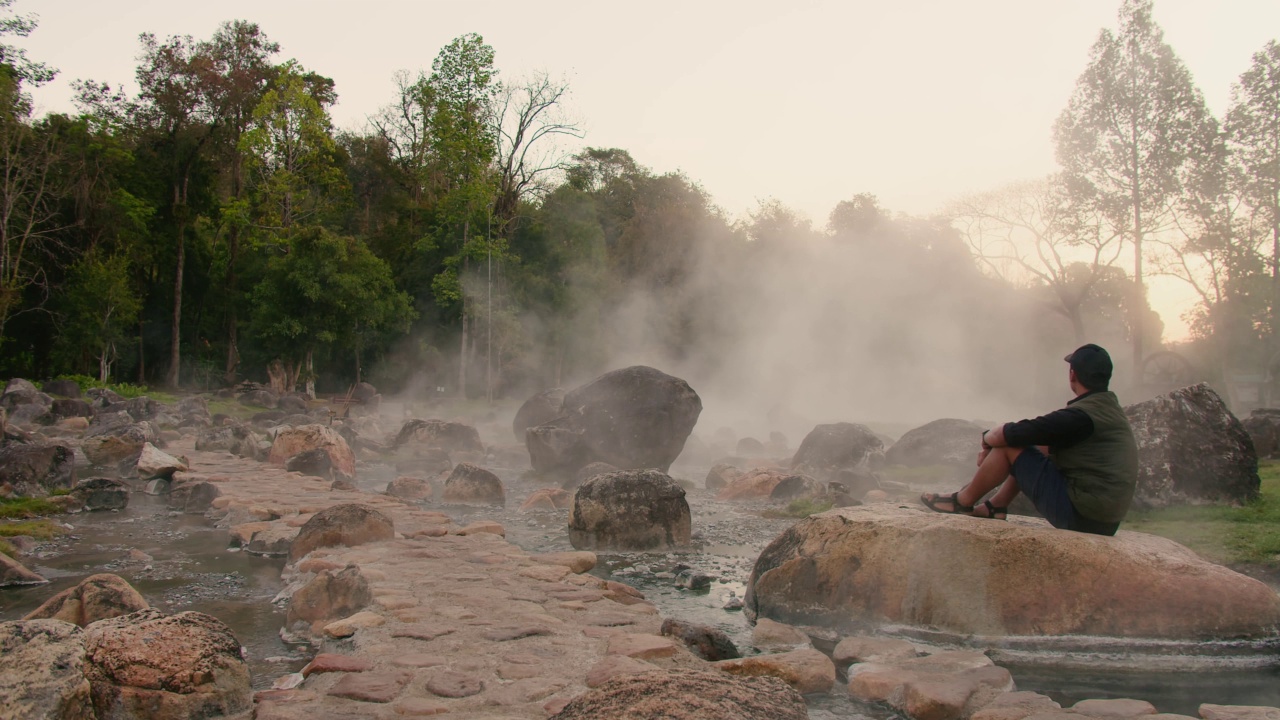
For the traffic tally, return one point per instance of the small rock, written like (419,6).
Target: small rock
(101,493)
(641,646)
(453,684)
(332,662)
(95,598)
(577,562)
(1209,711)
(770,635)
(419,707)
(484,526)
(1116,708)
(706,642)
(348,626)
(13,572)
(381,687)
(411,488)
(808,671)
(872,649)
(154,463)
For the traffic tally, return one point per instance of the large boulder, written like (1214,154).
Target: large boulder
(473,485)
(347,525)
(1192,449)
(68,407)
(439,435)
(828,449)
(687,695)
(155,463)
(231,438)
(138,408)
(632,418)
(629,510)
(42,664)
(13,572)
(166,667)
(24,402)
(115,439)
(765,483)
(100,493)
(542,408)
(947,442)
(314,463)
(63,388)
(329,596)
(35,469)
(294,440)
(97,597)
(883,563)
(1263,426)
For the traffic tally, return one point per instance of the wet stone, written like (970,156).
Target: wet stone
(419,707)
(332,662)
(516,632)
(382,687)
(1209,711)
(512,671)
(613,666)
(452,684)
(1117,708)
(523,691)
(640,646)
(418,660)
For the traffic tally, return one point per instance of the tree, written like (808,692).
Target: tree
(856,218)
(241,68)
(100,307)
(527,121)
(324,290)
(1128,130)
(1031,233)
(20,67)
(1253,135)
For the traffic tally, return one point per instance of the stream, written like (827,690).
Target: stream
(182,562)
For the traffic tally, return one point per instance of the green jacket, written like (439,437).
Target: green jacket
(1102,469)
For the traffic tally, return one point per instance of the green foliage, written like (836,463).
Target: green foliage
(99,310)
(1249,534)
(7,549)
(123,389)
(24,508)
(38,529)
(800,508)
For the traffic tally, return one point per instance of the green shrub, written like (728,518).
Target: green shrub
(23,508)
(38,529)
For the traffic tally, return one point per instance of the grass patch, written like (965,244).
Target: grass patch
(233,409)
(24,508)
(38,529)
(1249,534)
(802,508)
(7,549)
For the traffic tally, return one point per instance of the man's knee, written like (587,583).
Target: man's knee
(1012,453)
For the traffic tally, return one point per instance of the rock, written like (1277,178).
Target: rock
(332,662)
(439,435)
(1114,708)
(291,405)
(588,471)
(947,679)
(272,541)
(411,488)
(347,525)
(687,695)
(102,397)
(641,646)
(771,636)
(346,627)
(1191,449)
(473,485)
(139,408)
(808,671)
(193,496)
(153,463)
(100,493)
(750,447)
(291,441)
(313,463)
(839,446)
(541,408)
(97,597)
(1209,711)
(22,400)
(886,563)
(230,438)
(62,388)
(380,687)
(760,483)
(483,526)
(1016,706)
(328,597)
(613,666)
(547,499)
(629,510)
(942,442)
(35,469)
(42,664)
(149,665)
(632,418)
(872,649)
(577,562)
(722,475)
(706,642)
(453,684)
(116,440)
(259,398)
(13,572)
(64,408)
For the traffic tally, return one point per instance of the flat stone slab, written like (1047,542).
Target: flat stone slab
(418,660)
(332,662)
(578,562)
(808,671)
(419,707)
(1209,711)
(515,632)
(641,646)
(374,687)
(613,666)
(425,631)
(453,684)
(1116,708)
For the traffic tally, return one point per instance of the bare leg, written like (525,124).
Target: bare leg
(992,471)
(1005,495)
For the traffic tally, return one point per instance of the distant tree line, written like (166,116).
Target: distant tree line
(214,226)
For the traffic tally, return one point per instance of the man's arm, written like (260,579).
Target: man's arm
(1058,428)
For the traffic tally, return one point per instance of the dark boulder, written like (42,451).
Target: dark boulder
(329,596)
(102,397)
(704,641)
(364,392)
(292,405)
(65,408)
(35,469)
(629,510)
(114,439)
(942,442)
(63,388)
(347,525)
(18,392)
(259,398)
(828,449)
(314,463)
(139,408)
(1191,449)
(1263,426)
(100,493)
(586,472)
(438,435)
(471,484)
(750,447)
(632,418)
(687,695)
(541,408)
(193,496)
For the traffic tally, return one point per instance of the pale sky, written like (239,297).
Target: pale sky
(808,101)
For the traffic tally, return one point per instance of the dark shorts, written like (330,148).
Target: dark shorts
(1046,487)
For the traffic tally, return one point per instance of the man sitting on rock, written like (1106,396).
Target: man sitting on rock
(1078,465)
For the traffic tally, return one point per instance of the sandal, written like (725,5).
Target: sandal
(931,501)
(992,511)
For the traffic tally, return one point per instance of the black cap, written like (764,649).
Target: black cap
(1092,365)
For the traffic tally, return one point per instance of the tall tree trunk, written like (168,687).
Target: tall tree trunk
(1140,301)
(233,351)
(175,355)
(462,354)
(142,354)
(311,375)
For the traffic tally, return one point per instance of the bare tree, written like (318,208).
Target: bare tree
(1030,233)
